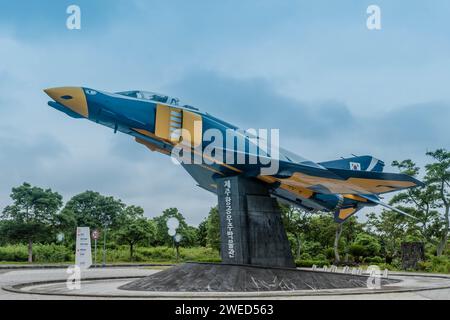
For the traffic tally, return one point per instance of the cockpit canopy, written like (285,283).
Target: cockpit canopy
(152,96)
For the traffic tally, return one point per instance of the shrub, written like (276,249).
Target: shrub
(310,263)
(312,248)
(42,253)
(388,266)
(305,256)
(163,254)
(357,250)
(329,253)
(370,244)
(14,253)
(436,264)
(321,257)
(52,253)
(374,260)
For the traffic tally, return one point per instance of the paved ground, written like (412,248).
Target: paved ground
(8,278)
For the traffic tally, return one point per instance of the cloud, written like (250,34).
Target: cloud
(254,103)
(320,129)
(312,70)
(83,156)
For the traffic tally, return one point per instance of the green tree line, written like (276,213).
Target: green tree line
(37,216)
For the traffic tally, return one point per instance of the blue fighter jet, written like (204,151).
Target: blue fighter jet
(160,122)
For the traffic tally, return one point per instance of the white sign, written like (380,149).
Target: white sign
(83,254)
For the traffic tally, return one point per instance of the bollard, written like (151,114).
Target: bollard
(314,267)
(385,273)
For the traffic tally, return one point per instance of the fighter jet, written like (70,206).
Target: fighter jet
(160,122)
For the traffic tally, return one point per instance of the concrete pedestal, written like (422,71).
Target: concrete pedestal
(219,277)
(252,232)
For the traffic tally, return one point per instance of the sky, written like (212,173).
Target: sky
(310,68)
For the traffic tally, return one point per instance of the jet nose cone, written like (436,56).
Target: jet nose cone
(70,97)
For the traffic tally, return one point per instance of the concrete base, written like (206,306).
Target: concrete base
(209,277)
(251,226)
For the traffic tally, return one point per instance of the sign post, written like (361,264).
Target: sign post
(83,254)
(177,239)
(95,236)
(104,246)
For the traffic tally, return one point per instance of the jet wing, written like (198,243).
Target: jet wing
(341,181)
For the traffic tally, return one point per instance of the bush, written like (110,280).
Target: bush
(163,254)
(436,264)
(309,263)
(52,253)
(305,256)
(357,250)
(42,253)
(321,257)
(374,260)
(312,247)
(329,253)
(14,253)
(366,245)
(388,266)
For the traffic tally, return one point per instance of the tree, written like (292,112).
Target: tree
(213,229)
(162,231)
(350,230)
(391,228)
(134,228)
(91,209)
(296,223)
(438,175)
(31,216)
(202,232)
(322,229)
(365,245)
(337,237)
(421,201)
